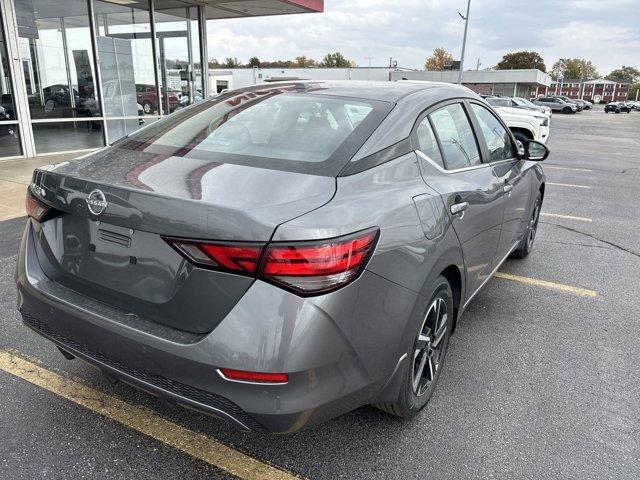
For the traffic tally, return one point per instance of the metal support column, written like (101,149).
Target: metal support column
(93,31)
(154,49)
(65,51)
(18,86)
(191,73)
(204,51)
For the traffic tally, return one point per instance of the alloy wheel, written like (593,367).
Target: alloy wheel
(428,353)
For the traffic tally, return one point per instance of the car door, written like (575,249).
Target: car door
(451,163)
(501,152)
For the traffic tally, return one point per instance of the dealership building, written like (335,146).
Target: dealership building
(77,75)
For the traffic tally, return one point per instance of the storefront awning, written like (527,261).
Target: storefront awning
(257,8)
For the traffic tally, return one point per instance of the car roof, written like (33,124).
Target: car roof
(386,91)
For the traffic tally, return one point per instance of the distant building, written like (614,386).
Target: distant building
(597,90)
(512,83)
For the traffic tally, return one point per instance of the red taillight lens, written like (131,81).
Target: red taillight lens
(235,258)
(36,209)
(317,267)
(242,376)
(306,267)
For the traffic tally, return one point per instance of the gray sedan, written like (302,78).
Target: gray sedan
(282,254)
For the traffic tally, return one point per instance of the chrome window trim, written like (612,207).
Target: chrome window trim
(464,169)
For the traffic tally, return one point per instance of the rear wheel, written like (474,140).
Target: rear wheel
(426,356)
(526,243)
(147,107)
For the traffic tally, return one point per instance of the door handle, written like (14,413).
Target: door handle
(457,208)
(507,187)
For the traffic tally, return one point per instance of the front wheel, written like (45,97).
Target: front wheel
(426,355)
(526,243)
(567,110)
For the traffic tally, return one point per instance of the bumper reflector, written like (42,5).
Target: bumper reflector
(253,377)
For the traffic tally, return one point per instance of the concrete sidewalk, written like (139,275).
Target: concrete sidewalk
(15,175)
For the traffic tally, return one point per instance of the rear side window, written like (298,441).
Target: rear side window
(280,128)
(496,136)
(427,142)
(458,142)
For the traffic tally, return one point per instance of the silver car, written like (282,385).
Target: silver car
(281,254)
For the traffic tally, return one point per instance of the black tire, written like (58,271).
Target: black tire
(567,110)
(526,243)
(147,107)
(521,137)
(413,398)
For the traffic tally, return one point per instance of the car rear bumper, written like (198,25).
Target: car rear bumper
(269,330)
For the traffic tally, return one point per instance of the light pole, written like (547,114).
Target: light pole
(464,40)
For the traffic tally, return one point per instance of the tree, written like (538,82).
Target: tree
(304,62)
(231,62)
(254,62)
(624,75)
(633,91)
(574,68)
(438,60)
(521,60)
(335,60)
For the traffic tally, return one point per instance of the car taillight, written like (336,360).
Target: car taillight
(317,267)
(36,208)
(241,258)
(305,267)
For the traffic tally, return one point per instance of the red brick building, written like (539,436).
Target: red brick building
(597,91)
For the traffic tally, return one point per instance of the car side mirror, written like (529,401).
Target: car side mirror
(535,151)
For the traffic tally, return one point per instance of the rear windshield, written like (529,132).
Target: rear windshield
(284,128)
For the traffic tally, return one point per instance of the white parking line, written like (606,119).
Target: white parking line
(567,217)
(567,185)
(568,168)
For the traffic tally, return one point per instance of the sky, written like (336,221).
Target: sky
(606,32)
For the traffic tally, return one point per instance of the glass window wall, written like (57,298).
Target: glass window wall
(59,74)
(178,44)
(9,132)
(126,65)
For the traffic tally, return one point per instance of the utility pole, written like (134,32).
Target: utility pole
(478,64)
(464,40)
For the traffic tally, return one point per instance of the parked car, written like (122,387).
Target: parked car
(525,124)
(617,107)
(555,104)
(147,96)
(577,103)
(519,102)
(280,272)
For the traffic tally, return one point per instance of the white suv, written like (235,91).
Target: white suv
(525,124)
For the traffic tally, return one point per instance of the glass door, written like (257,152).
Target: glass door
(59,75)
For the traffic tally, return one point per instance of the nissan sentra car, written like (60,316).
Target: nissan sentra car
(279,255)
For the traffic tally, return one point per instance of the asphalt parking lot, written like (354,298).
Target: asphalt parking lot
(542,377)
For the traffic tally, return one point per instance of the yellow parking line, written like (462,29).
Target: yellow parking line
(583,292)
(567,217)
(567,185)
(568,168)
(143,420)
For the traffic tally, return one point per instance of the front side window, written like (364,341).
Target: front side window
(497,138)
(456,137)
